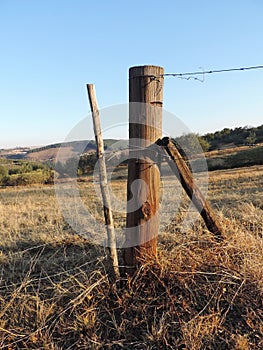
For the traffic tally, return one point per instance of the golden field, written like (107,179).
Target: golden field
(199,294)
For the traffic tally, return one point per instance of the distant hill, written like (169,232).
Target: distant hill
(48,153)
(227,139)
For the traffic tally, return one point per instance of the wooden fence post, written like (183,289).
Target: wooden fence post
(145,127)
(184,175)
(103,181)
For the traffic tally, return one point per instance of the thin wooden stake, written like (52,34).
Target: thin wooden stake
(103,181)
(183,173)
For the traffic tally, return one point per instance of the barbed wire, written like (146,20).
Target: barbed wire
(212,71)
(192,75)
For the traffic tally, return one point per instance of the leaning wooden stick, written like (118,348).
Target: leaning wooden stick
(103,181)
(183,173)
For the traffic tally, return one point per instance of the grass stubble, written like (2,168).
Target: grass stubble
(199,294)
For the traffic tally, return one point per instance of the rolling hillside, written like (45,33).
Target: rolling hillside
(49,152)
(225,149)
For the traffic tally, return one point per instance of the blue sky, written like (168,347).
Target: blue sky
(50,49)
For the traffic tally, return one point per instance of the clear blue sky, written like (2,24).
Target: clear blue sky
(50,49)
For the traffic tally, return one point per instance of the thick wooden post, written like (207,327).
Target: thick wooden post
(145,127)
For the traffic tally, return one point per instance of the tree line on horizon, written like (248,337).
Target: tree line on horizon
(240,136)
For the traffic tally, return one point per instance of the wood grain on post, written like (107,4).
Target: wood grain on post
(103,181)
(183,173)
(145,127)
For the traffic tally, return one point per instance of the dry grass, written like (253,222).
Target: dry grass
(55,293)
(227,151)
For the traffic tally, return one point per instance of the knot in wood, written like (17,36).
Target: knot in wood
(146,210)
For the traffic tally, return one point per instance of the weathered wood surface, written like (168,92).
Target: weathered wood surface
(183,173)
(103,181)
(145,128)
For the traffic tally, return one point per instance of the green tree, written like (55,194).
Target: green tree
(3,171)
(204,143)
(87,163)
(252,137)
(191,143)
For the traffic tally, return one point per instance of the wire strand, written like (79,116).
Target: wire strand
(212,71)
(189,74)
